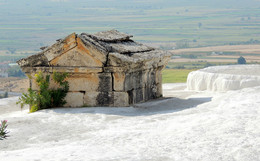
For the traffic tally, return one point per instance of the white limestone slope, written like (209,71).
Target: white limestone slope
(200,127)
(187,126)
(224,78)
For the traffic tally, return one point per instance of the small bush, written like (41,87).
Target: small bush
(241,60)
(180,67)
(45,97)
(3,132)
(59,94)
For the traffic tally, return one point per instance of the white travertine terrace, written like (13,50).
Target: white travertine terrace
(224,78)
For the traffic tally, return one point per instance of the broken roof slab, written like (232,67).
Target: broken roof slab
(110,36)
(104,45)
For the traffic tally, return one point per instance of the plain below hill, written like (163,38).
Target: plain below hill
(218,54)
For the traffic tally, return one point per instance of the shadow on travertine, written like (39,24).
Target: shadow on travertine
(159,106)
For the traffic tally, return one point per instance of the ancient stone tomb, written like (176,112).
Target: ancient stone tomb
(105,69)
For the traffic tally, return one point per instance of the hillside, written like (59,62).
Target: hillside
(27,25)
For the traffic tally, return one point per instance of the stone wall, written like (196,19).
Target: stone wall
(93,87)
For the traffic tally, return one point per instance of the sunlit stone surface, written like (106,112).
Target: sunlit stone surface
(224,78)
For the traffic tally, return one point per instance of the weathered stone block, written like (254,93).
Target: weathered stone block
(90,98)
(139,95)
(159,92)
(119,80)
(117,99)
(134,81)
(121,99)
(117,59)
(128,84)
(105,82)
(34,60)
(138,79)
(84,82)
(136,95)
(74,99)
(158,76)
(91,82)
(150,92)
(151,78)
(105,99)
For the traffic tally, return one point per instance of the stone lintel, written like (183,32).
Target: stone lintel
(78,69)
(115,69)
(61,69)
(125,69)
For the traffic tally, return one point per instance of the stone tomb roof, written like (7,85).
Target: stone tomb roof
(116,48)
(110,36)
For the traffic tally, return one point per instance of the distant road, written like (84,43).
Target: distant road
(251,49)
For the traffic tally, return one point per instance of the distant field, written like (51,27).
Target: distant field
(250,49)
(175,75)
(28,24)
(215,55)
(221,60)
(12,58)
(194,65)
